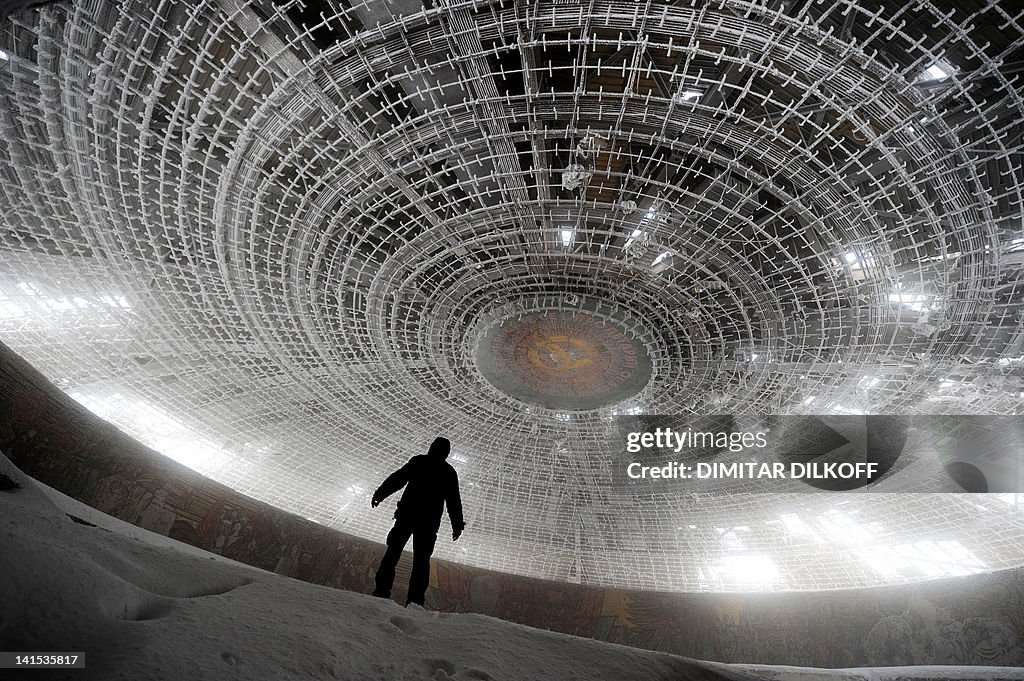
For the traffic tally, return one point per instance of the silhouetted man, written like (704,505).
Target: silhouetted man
(430,483)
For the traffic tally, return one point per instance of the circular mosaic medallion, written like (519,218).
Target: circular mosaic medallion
(563,360)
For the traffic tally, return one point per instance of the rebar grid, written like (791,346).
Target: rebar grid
(268,239)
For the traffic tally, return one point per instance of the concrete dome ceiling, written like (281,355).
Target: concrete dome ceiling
(288,243)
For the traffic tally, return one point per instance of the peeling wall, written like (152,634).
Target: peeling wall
(970,620)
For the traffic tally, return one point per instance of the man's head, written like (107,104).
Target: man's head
(440,447)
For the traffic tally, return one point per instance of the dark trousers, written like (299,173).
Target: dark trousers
(423,538)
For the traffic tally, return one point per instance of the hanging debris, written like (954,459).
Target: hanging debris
(928,325)
(589,146)
(575,176)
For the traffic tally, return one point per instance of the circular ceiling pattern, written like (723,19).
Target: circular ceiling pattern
(277,241)
(563,360)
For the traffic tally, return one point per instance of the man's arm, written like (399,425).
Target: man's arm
(392,484)
(453,501)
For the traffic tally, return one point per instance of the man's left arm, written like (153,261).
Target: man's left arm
(392,484)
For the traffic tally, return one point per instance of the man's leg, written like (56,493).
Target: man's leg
(422,546)
(397,538)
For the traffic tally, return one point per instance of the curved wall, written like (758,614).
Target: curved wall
(971,620)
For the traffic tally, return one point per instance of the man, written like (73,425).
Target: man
(430,483)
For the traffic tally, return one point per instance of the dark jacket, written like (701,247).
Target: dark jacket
(430,483)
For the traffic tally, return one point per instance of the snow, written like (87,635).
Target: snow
(142,606)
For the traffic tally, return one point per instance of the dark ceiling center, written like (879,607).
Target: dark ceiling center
(564,360)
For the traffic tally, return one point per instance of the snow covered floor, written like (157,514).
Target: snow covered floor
(146,607)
